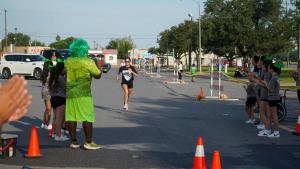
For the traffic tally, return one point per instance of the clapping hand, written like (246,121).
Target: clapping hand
(14,98)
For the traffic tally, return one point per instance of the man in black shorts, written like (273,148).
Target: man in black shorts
(127,72)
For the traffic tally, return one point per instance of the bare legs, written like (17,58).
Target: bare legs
(127,93)
(87,127)
(59,119)
(47,113)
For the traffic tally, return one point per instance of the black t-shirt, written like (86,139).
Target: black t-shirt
(127,76)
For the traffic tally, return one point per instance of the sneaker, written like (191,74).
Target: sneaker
(261,127)
(264,133)
(64,131)
(125,107)
(60,138)
(74,145)
(43,126)
(250,121)
(49,127)
(275,134)
(91,146)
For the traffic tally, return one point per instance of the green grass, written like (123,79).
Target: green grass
(285,78)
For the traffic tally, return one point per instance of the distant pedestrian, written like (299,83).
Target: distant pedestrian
(296,76)
(193,72)
(250,100)
(180,69)
(79,104)
(57,86)
(274,98)
(127,72)
(45,92)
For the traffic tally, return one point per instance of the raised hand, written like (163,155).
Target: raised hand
(14,99)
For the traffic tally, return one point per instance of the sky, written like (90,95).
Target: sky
(97,21)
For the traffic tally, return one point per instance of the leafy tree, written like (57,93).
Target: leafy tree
(123,45)
(62,44)
(20,39)
(36,43)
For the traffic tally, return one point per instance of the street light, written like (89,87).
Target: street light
(200,53)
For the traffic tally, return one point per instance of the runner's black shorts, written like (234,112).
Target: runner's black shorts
(129,84)
(57,101)
(250,102)
(273,103)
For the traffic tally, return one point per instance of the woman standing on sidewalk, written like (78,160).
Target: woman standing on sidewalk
(79,104)
(127,72)
(45,92)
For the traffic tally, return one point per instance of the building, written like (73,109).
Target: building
(111,56)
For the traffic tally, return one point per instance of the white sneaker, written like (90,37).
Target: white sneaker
(275,134)
(49,127)
(250,121)
(43,126)
(264,133)
(125,107)
(65,131)
(261,127)
(60,138)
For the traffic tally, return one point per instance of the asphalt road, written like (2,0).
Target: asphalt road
(160,130)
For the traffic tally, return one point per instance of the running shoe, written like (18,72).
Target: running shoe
(275,134)
(49,127)
(91,146)
(264,133)
(74,145)
(250,121)
(261,127)
(43,125)
(125,107)
(61,138)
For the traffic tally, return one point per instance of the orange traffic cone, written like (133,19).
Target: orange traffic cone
(199,159)
(297,130)
(33,147)
(216,162)
(201,94)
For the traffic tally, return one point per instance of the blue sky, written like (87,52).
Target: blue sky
(95,20)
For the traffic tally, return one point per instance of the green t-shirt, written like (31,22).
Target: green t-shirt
(193,70)
(79,76)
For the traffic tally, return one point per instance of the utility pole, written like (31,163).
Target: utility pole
(5,11)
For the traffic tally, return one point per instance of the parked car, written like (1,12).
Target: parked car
(106,67)
(23,64)
(60,53)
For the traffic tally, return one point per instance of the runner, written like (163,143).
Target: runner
(274,98)
(127,72)
(57,86)
(264,105)
(45,92)
(79,105)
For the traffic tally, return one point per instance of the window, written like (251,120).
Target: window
(13,58)
(111,58)
(35,58)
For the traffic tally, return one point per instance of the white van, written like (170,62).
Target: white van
(23,64)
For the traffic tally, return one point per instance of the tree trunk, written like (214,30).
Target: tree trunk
(190,59)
